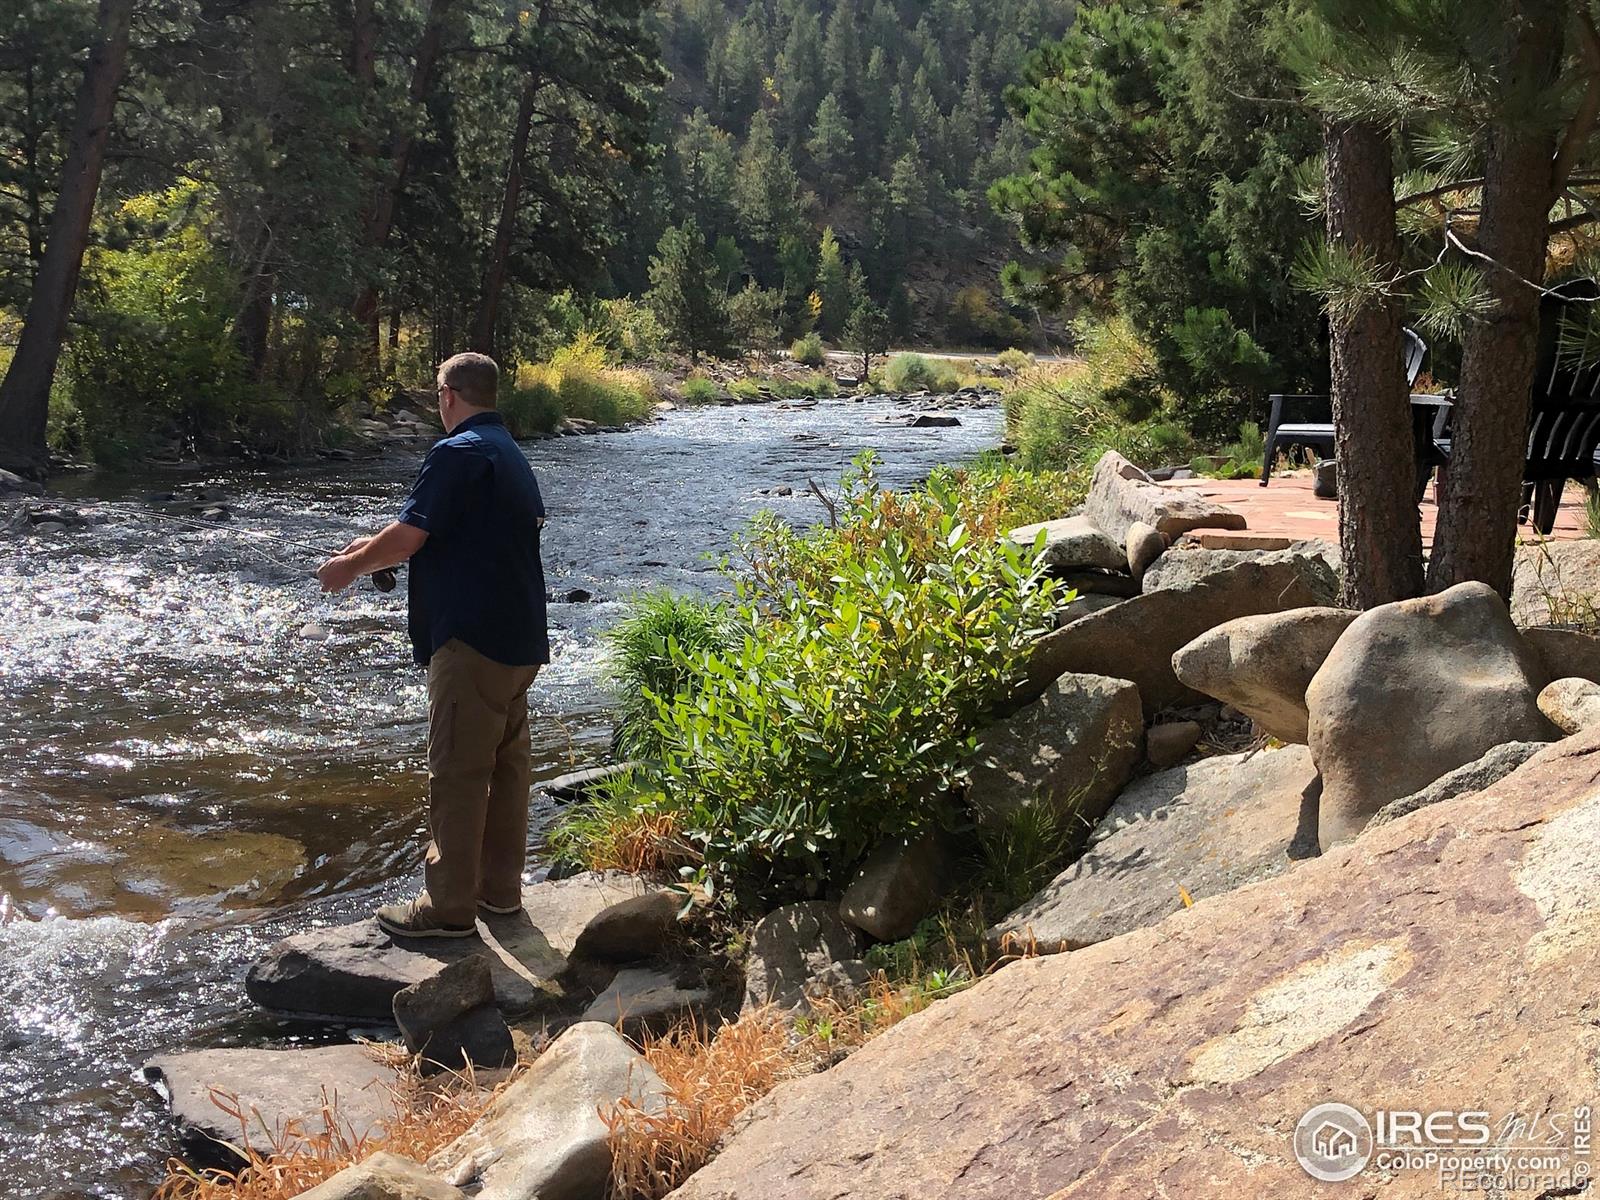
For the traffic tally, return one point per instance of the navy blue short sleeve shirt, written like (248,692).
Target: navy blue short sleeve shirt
(478,577)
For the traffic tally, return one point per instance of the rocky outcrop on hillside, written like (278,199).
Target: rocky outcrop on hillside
(1427,965)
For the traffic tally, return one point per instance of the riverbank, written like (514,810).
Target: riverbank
(190,779)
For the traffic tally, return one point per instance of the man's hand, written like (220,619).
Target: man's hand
(356,546)
(338,573)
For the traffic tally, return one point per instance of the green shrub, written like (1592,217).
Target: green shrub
(154,357)
(862,660)
(915,373)
(1014,360)
(746,389)
(697,389)
(808,350)
(651,648)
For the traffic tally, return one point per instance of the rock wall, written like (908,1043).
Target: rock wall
(1429,964)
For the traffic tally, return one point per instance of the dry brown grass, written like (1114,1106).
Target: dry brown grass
(429,1114)
(711,1078)
(639,840)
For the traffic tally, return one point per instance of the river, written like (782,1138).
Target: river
(188,777)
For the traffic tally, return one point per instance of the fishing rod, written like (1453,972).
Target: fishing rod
(383,580)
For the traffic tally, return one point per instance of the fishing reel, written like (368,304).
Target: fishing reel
(384,580)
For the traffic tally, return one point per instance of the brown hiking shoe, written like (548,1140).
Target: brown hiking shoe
(415,919)
(499,910)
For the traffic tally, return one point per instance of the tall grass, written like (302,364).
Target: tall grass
(579,381)
(651,648)
(1064,418)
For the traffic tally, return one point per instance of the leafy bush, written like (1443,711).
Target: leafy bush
(154,357)
(1014,360)
(578,381)
(697,389)
(974,320)
(629,328)
(861,661)
(808,350)
(915,373)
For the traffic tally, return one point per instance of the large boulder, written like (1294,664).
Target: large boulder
(1072,749)
(352,972)
(1437,958)
(1137,638)
(1556,583)
(274,1090)
(544,1137)
(901,882)
(1565,653)
(1188,563)
(1193,831)
(384,1176)
(801,952)
(1073,542)
(1262,664)
(1463,781)
(1413,690)
(1121,494)
(636,927)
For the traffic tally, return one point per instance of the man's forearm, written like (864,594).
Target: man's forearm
(391,546)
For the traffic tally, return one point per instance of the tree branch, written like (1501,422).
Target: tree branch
(1583,120)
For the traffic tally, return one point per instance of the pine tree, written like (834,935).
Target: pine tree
(867,333)
(831,143)
(842,54)
(833,284)
(799,79)
(684,293)
(766,194)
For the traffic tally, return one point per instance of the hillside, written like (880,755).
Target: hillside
(883,120)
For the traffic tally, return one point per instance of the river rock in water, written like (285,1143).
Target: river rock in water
(273,1089)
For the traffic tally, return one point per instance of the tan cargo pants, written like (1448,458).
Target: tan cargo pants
(478,778)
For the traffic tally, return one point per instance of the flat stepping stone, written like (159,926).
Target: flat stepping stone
(352,972)
(278,1094)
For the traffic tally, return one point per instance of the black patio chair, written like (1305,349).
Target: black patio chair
(1563,410)
(1307,421)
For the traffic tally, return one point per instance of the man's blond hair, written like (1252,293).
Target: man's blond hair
(474,377)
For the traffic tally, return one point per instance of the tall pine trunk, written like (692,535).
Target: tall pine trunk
(1483,488)
(1380,535)
(494,269)
(25,393)
(380,217)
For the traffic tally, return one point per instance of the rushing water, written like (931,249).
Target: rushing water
(187,775)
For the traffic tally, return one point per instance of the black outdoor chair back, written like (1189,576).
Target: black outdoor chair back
(1564,409)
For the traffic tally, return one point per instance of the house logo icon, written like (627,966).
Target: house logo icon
(1332,1142)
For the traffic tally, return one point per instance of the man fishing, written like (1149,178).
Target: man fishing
(476,614)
